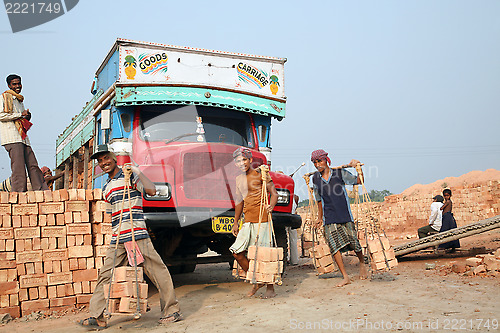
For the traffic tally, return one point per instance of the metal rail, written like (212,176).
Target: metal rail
(447,236)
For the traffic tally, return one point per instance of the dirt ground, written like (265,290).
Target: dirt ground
(409,298)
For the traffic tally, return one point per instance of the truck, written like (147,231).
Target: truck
(179,113)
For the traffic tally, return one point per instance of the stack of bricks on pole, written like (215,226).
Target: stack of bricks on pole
(322,258)
(52,244)
(123,296)
(265,264)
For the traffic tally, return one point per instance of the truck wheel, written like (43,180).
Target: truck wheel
(282,240)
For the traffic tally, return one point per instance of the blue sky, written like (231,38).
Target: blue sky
(410,88)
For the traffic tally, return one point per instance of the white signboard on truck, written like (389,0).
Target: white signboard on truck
(140,64)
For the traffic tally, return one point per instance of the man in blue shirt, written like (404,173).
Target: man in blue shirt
(334,210)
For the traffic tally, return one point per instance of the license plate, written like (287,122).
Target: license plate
(222,224)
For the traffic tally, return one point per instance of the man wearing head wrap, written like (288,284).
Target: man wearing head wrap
(247,201)
(334,210)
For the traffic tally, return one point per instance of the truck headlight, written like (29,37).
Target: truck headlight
(283,197)
(163,192)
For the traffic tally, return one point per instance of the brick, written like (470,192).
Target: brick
(103,228)
(82,263)
(26,233)
(14,311)
(73,194)
(55,196)
(14,299)
(97,217)
(22,198)
(25,221)
(77,206)
(51,207)
(25,209)
(97,194)
(4,197)
(85,275)
(30,268)
(28,307)
(52,292)
(85,217)
(47,196)
(42,292)
(5,209)
(106,218)
(4,301)
(87,239)
(83,299)
(44,243)
(23,295)
(100,251)
(16,221)
(52,243)
(79,229)
(59,278)
(32,280)
(62,301)
(126,289)
(6,233)
(65,266)
(21,270)
(37,243)
(101,206)
(129,305)
(33,293)
(265,253)
(80,251)
(77,217)
(10,287)
(20,245)
(89,195)
(42,220)
(61,242)
(55,231)
(13,197)
(51,219)
(6,221)
(90,263)
(33,220)
(31,196)
(63,195)
(39,197)
(473,261)
(86,287)
(28,256)
(68,217)
(60,219)
(80,194)
(59,254)
(127,273)
(69,289)
(56,266)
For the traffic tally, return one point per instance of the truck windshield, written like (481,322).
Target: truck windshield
(194,124)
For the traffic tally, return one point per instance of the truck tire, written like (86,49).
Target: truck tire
(282,240)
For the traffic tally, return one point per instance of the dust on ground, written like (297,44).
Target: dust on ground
(408,298)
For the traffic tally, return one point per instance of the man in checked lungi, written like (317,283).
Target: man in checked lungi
(334,210)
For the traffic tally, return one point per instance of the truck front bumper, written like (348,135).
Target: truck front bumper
(185,219)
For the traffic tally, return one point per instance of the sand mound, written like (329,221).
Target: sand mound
(472,177)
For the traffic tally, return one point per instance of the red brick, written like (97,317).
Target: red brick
(23,294)
(25,209)
(33,293)
(79,229)
(30,268)
(32,280)
(80,194)
(97,194)
(26,233)
(14,311)
(85,275)
(59,254)
(39,197)
(70,241)
(13,197)
(51,219)
(25,221)
(52,292)
(55,196)
(59,278)
(28,307)
(31,197)
(60,219)
(42,220)
(6,233)
(69,289)
(4,197)
(5,209)
(80,251)
(68,217)
(28,256)
(126,289)
(56,266)
(42,292)
(55,231)
(7,288)
(89,195)
(73,194)
(14,299)
(61,242)
(7,263)
(71,300)
(61,290)
(63,195)
(83,298)
(6,221)
(77,206)
(16,221)
(51,208)
(33,220)
(22,198)
(47,196)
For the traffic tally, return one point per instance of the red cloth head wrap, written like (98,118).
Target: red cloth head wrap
(245,152)
(320,154)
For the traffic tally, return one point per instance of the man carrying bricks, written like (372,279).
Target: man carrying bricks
(14,124)
(247,201)
(153,266)
(334,210)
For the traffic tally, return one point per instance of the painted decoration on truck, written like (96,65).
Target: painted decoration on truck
(130,65)
(212,69)
(252,75)
(152,63)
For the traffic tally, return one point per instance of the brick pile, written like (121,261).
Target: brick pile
(47,241)
(123,295)
(265,264)
(406,212)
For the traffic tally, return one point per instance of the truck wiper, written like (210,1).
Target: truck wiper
(179,137)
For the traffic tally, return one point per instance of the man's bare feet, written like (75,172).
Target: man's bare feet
(269,292)
(254,289)
(363,272)
(344,282)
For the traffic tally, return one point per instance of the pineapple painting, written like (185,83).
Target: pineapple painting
(130,65)
(274,85)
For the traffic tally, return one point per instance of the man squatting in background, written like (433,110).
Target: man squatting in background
(334,210)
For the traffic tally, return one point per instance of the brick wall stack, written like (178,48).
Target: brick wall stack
(405,213)
(47,249)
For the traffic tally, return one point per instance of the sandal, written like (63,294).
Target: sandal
(171,318)
(91,323)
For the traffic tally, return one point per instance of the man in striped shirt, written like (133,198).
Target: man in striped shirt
(155,269)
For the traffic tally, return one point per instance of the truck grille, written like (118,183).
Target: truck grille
(207,176)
